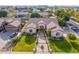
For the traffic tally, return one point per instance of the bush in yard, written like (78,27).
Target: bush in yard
(30,38)
(71,36)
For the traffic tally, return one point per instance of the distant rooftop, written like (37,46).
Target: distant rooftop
(12,21)
(15,23)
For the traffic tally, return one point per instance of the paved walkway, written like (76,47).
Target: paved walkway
(42,40)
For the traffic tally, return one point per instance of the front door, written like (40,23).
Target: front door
(41,29)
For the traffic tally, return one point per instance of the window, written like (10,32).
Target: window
(57,33)
(30,30)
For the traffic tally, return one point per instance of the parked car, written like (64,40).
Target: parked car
(13,34)
(75,29)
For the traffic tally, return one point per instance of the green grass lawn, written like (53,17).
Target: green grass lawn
(64,45)
(25,44)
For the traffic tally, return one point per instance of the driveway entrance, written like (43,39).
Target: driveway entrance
(42,42)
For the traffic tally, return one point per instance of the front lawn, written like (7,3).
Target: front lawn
(64,45)
(25,44)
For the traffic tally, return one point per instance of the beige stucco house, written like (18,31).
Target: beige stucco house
(13,26)
(47,24)
(10,24)
(31,28)
(1,24)
(44,14)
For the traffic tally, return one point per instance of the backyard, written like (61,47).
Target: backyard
(64,45)
(26,43)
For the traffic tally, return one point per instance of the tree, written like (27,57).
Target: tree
(62,22)
(3,13)
(59,12)
(62,16)
(71,36)
(35,15)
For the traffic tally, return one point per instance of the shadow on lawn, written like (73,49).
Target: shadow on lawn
(15,41)
(63,45)
(29,39)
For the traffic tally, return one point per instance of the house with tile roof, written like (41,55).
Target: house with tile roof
(13,26)
(10,24)
(36,24)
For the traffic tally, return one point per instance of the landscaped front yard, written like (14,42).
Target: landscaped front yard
(64,45)
(26,43)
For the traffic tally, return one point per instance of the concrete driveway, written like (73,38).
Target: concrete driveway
(2,41)
(42,40)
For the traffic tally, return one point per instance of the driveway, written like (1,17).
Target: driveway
(42,40)
(2,41)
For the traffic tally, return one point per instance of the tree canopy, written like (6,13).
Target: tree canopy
(62,16)
(35,15)
(3,13)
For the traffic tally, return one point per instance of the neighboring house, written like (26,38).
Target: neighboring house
(44,14)
(36,24)
(10,24)
(48,10)
(21,15)
(31,28)
(13,26)
(35,10)
(22,9)
(1,24)
(57,32)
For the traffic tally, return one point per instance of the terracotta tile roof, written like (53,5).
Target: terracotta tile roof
(15,23)
(8,20)
(32,25)
(46,20)
(11,21)
(57,29)
(1,21)
(51,25)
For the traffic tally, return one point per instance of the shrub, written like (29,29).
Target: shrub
(71,36)
(30,38)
